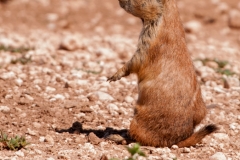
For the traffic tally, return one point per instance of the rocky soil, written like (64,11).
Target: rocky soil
(55,57)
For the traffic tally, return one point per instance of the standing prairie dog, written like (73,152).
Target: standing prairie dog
(170,103)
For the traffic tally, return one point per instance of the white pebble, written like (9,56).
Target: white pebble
(36,125)
(50,89)
(79,115)
(19,153)
(59,96)
(7,75)
(71,43)
(49,139)
(9,96)
(41,139)
(103,96)
(30,98)
(234,18)
(129,99)
(31,132)
(174,147)
(19,82)
(4,109)
(233,126)
(186,150)
(238,117)
(223,7)
(82,82)
(193,26)
(113,107)
(23,115)
(218,90)
(38,151)
(52,17)
(218,156)
(221,136)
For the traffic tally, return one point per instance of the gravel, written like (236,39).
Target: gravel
(60,98)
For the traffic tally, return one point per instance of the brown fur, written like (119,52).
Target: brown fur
(170,104)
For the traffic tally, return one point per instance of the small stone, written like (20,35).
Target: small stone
(82,82)
(9,96)
(165,157)
(172,156)
(30,98)
(52,17)
(19,82)
(41,139)
(49,139)
(70,43)
(212,64)
(19,153)
(79,140)
(233,126)
(117,139)
(234,19)
(238,117)
(186,150)
(31,132)
(37,125)
(193,26)
(218,156)
(38,151)
(4,109)
(223,8)
(79,115)
(71,104)
(222,136)
(59,97)
(218,90)
(50,89)
(92,97)
(93,138)
(164,150)
(38,81)
(23,115)
(7,75)
(105,52)
(112,107)
(24,101)
(129,99)
(13,158)
(174,147)
(103,96)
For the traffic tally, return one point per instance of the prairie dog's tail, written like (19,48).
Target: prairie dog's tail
(197,136)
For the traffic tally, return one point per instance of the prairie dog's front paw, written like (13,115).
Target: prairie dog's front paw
(115,77)
(124,71)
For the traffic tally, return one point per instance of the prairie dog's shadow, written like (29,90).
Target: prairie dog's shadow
(108,133)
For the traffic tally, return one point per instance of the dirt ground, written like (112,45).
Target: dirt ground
(56,55)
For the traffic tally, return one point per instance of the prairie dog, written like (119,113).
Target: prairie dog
(170,103)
